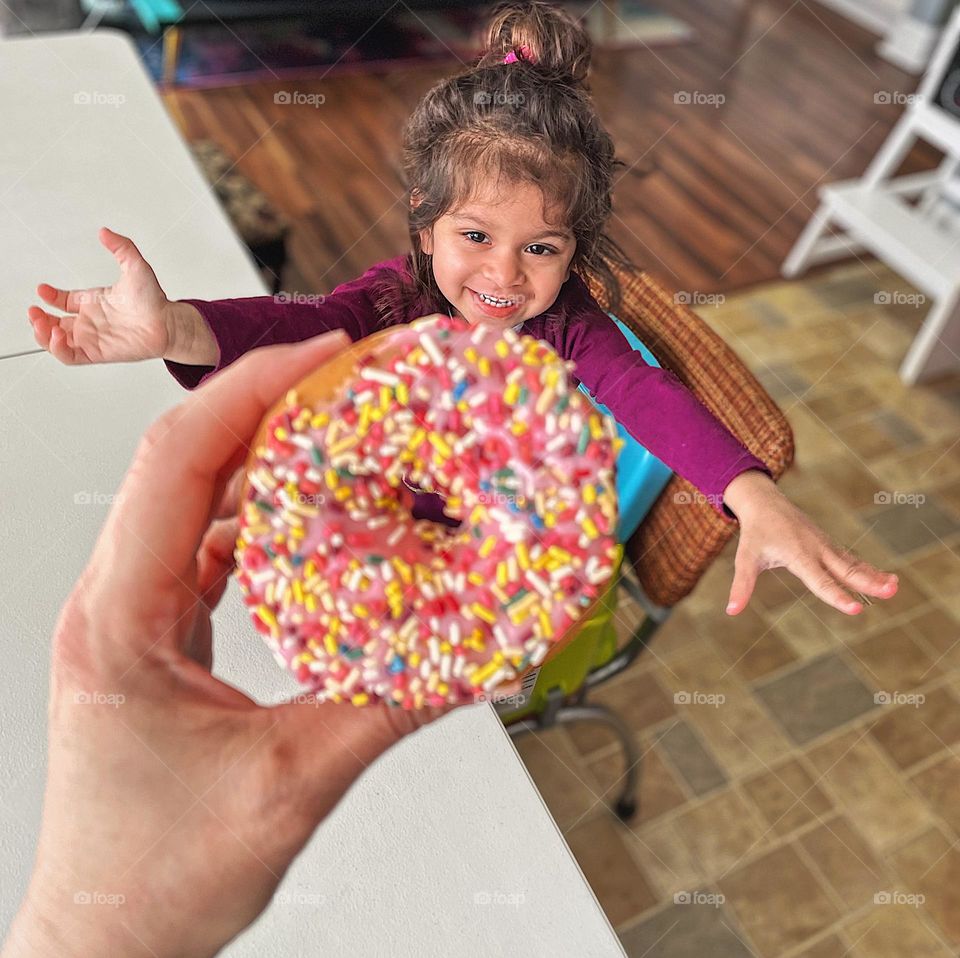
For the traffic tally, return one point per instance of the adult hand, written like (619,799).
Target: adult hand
(173,801)
(775,533)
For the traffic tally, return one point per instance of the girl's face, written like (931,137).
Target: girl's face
(502,248)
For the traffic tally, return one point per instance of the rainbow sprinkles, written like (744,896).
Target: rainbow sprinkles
(365,603)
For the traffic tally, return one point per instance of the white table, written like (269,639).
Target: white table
(67,168)
(444,847)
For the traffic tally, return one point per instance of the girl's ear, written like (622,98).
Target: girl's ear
(426,241)
(426,236)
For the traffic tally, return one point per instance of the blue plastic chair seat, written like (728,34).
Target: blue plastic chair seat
(641,477)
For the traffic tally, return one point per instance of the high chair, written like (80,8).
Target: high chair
(670,533)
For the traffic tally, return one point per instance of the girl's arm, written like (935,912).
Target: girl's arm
(660,412)
(649,402)
(211,334)
(775,534)
(190,340)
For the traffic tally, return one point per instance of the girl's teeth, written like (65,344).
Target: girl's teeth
(495,302)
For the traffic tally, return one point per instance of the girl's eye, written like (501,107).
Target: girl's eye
(548,250)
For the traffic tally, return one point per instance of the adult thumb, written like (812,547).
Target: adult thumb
(329,745)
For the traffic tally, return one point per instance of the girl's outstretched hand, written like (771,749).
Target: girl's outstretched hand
(774,533)
(106,324)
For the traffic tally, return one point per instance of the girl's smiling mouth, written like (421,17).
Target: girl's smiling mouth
(495,307)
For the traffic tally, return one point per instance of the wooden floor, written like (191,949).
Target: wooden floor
(713,197)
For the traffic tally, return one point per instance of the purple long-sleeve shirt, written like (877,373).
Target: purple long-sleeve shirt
(649,402)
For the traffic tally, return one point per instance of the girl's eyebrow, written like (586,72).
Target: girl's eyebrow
(465,217)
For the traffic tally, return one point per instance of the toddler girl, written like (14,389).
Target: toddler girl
(510,174)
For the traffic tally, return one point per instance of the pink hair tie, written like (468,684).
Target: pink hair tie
(511,57)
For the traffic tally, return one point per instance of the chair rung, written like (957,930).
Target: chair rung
(659,613)
(896,233)
(625,656)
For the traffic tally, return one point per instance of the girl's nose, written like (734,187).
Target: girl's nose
(504,273)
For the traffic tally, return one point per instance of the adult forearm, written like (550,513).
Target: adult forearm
(41,932)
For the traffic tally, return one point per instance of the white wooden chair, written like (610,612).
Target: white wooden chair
(921,241)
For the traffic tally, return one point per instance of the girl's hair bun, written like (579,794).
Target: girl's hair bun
(542,33)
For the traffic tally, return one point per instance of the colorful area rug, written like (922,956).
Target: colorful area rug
(218,54)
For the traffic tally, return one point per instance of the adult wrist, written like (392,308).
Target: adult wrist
(93,924)
(40,930)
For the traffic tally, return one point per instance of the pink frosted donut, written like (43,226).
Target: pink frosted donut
(365,603)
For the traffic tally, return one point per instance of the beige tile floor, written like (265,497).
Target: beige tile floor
(814,812)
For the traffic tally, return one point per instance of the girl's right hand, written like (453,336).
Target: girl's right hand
(107,324)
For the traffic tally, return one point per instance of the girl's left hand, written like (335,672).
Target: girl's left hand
(774,533)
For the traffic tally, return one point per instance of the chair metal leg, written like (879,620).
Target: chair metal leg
(625,806)
(655,616)
(576,708)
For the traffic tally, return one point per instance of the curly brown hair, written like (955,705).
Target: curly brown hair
(532,121)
